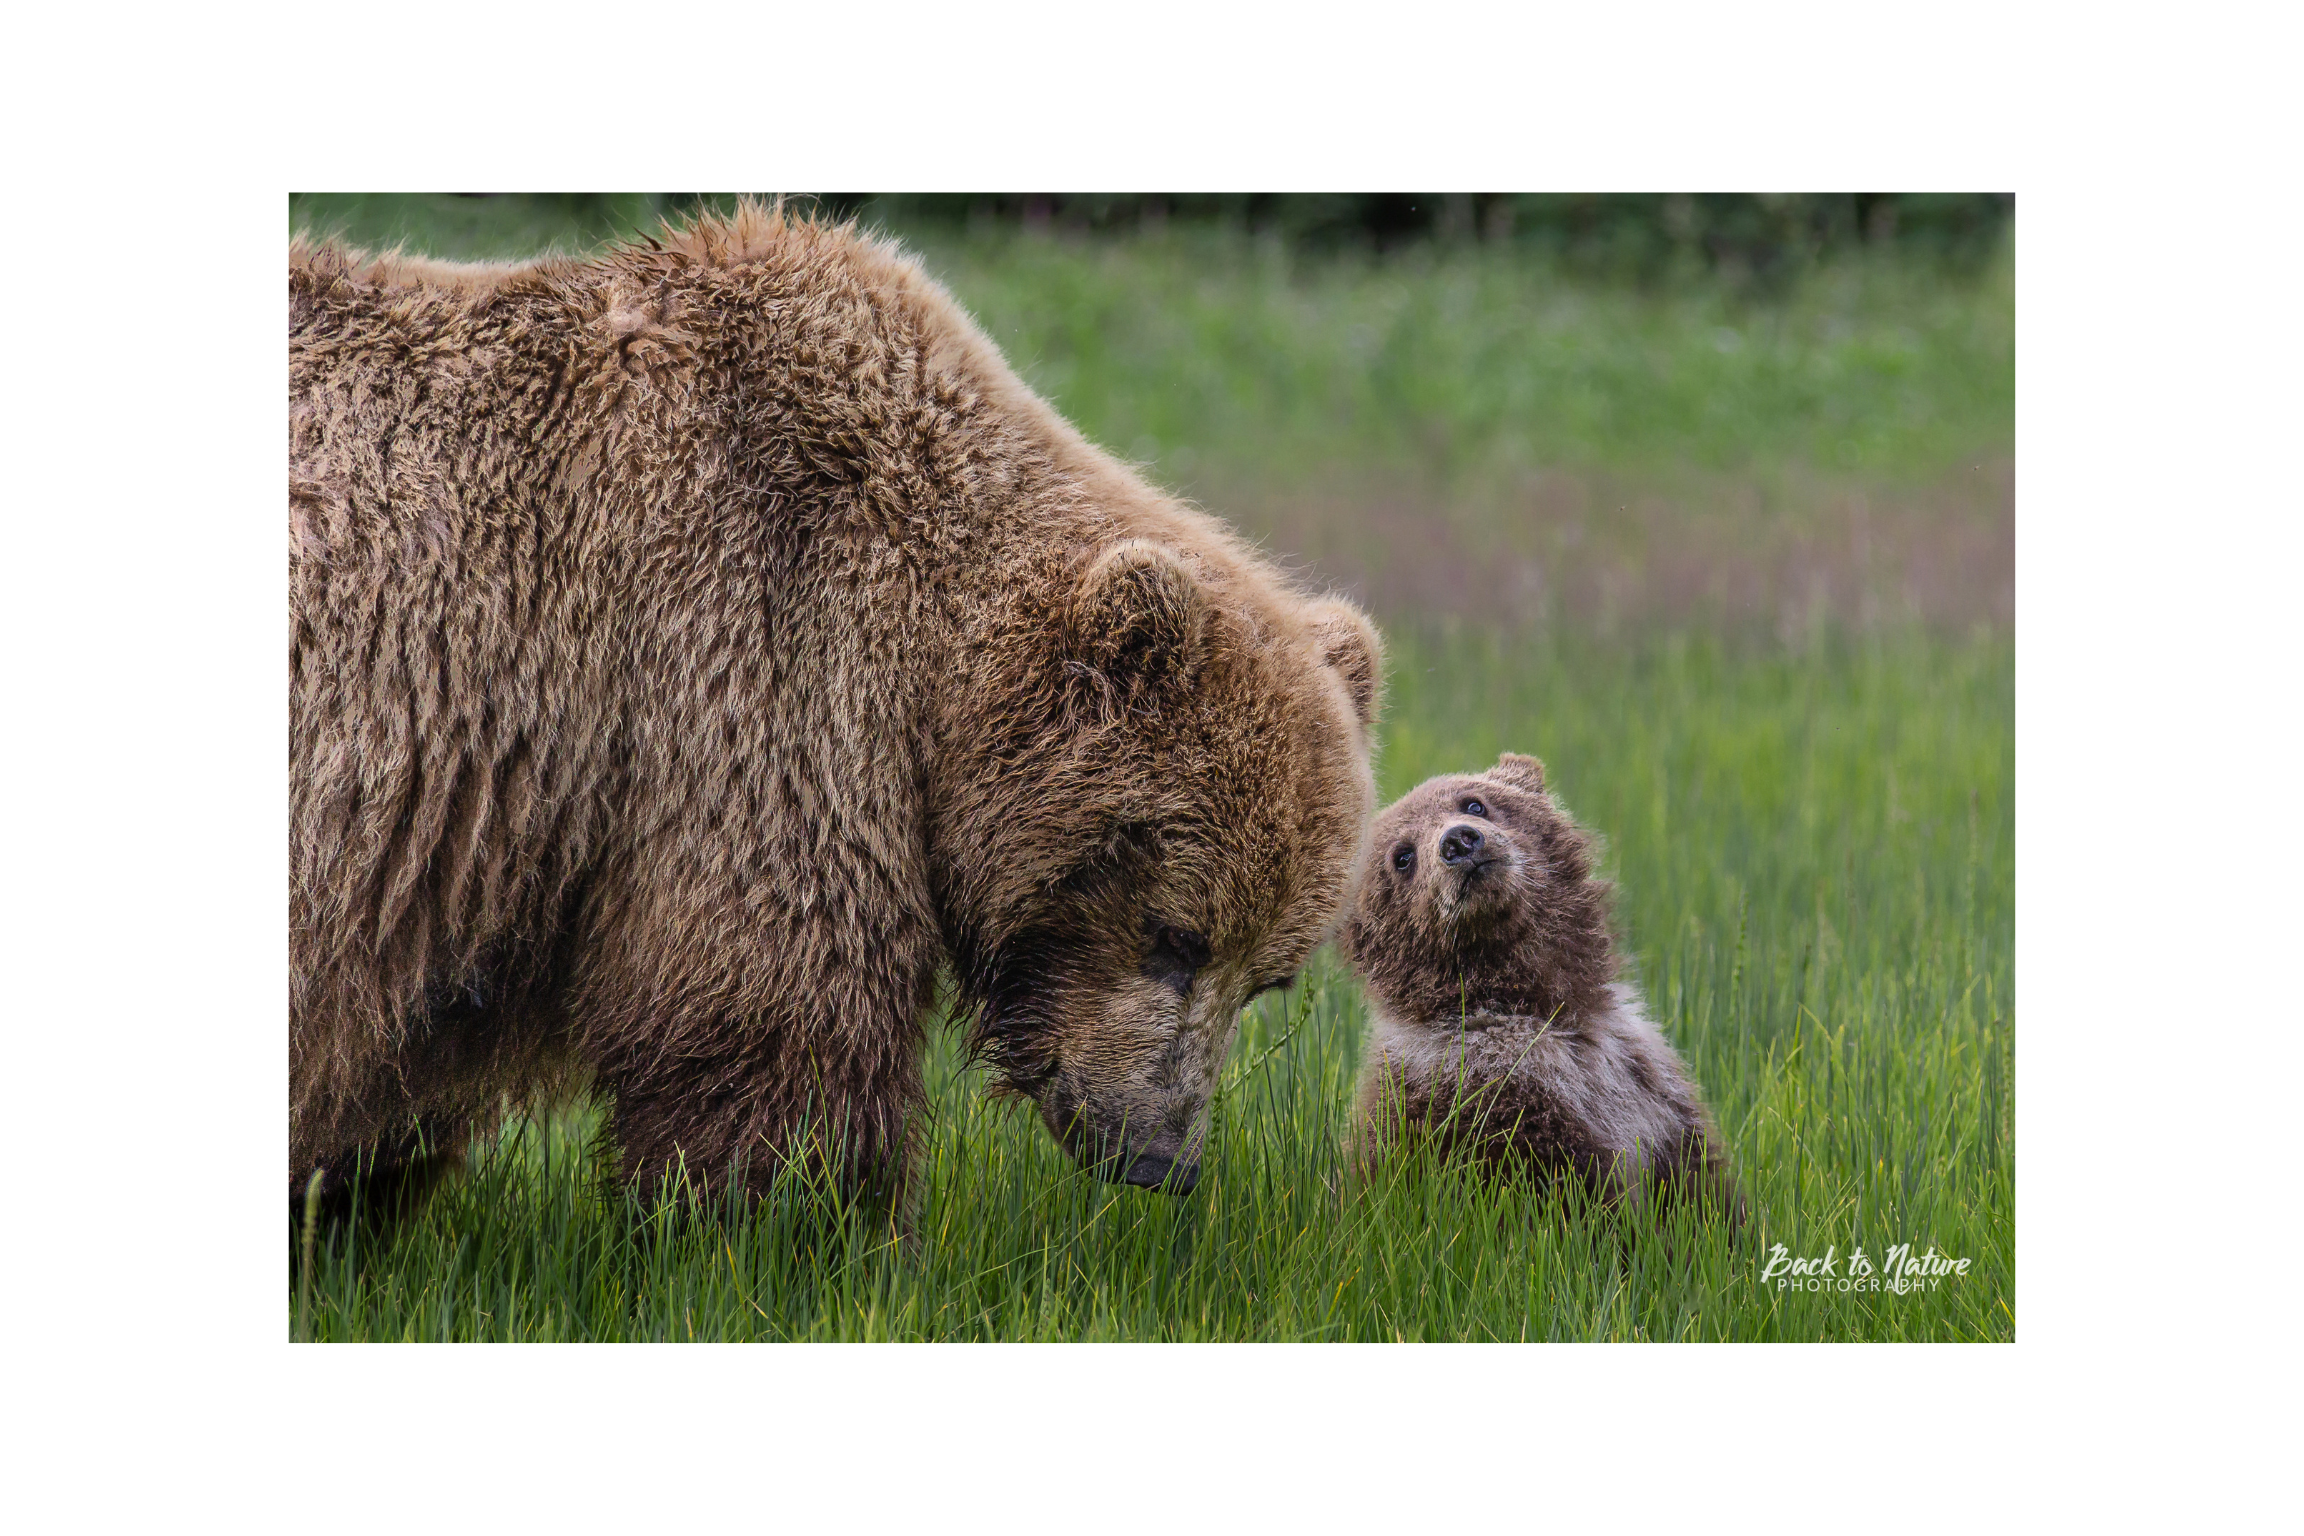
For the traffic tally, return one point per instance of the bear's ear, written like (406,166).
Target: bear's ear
(1347,641)
(1518,768)
(1139,614)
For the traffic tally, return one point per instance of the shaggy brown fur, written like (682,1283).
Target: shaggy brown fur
(1483,938)
(693,648)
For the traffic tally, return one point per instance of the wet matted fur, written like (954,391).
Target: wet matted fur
(1499,1024)
(693,648)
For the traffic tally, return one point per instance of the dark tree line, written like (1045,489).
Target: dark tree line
(1634,235)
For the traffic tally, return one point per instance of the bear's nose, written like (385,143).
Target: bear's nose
(1458,844)
(1156,1170)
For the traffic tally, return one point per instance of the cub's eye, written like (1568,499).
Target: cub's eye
(1175,957)
(1404,857)
(1475,808)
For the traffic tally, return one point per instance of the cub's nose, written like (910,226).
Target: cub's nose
(1458,844)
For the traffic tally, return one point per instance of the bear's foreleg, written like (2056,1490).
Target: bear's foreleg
(831,1111)
(388,1178)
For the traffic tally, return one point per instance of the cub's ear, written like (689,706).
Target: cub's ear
(1521,769)
(1139,614)
(1347,641)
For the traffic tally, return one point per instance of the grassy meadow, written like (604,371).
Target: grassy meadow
(1736,567)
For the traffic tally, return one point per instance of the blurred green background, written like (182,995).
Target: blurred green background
(1706,501)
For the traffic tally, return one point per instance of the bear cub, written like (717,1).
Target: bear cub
(1500,1026)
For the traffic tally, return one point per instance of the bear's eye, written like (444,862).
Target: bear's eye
(1404,857)
(1475,808)
(1175,957)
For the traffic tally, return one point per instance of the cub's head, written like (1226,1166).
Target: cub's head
(1478,894)
(1160,799)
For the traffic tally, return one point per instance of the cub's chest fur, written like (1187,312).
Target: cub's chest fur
(1601,1089)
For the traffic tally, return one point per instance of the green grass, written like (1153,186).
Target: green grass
(1810,820)
(1815,852)
(1216,357)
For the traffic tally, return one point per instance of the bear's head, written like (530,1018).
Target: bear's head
(1478,896)
(1158,816)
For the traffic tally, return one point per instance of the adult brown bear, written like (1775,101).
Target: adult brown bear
(693,649)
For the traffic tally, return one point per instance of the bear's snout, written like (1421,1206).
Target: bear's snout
(1460,845)
(1158,1170)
